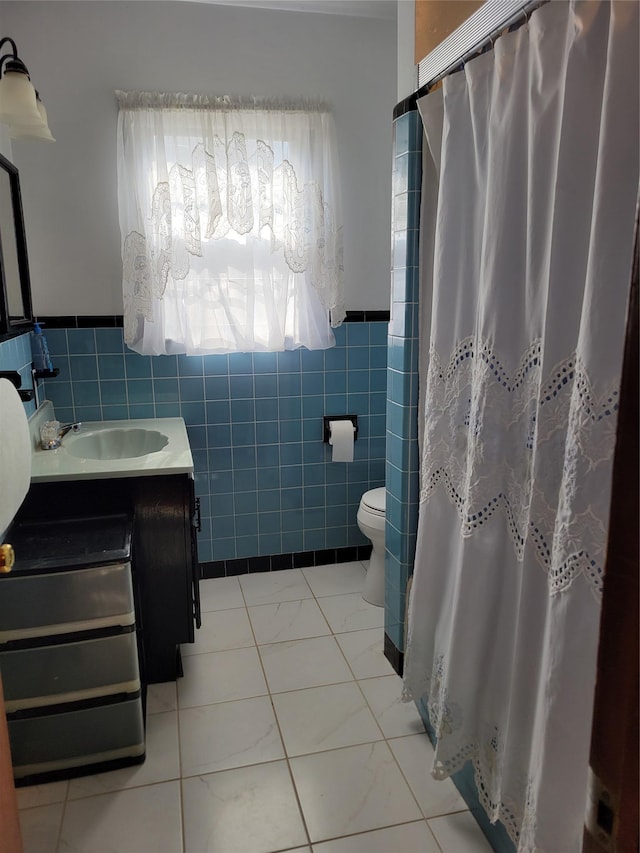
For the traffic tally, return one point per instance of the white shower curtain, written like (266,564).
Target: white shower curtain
(526,271)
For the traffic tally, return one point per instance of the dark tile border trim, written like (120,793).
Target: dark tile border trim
(109,321)
(112,321)
(393,655)
(408,105)
(276,562)
(367,316)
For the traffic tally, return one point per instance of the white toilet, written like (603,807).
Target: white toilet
(371,514)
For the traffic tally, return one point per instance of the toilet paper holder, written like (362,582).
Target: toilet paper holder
(326,430)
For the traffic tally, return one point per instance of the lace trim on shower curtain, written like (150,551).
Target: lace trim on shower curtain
(518,812)
(518,447)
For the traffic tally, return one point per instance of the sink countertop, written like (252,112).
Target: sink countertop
(175,458)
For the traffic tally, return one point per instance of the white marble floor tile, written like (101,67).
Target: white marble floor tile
(288,620)
(364,652)
(230,734)
(351,790)
(395,717)
(336,579)
(350,612)
(42,795)
(40,827)
(248,810)
(162,762)
(271,587)
(162,697)
(324,718)
(405,838)
(221,630)
(220,594)
(144,820)
(297,664)
(459,833)
(221,677)
(435,797)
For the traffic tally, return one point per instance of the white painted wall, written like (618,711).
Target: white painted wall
(407,70)
(79,53)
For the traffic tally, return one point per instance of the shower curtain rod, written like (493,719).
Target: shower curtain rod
(472,38)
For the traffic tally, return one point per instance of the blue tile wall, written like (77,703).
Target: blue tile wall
(15,354)
(262,472)
(402,462)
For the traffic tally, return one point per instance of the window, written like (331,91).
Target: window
(230,221)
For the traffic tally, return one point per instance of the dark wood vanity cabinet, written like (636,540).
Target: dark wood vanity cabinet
(164,554)
(167,570)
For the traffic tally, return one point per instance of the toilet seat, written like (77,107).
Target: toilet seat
(374,501)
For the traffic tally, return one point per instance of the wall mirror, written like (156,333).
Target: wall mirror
(15,305)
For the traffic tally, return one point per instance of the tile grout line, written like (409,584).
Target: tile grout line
(277,721)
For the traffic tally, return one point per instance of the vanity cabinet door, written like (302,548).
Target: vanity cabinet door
(196,527)
(165,561)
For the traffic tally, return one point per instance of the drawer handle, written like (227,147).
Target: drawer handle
(198,516)
(7,558)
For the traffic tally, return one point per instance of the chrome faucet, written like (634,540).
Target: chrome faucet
(68,428)
(51,433)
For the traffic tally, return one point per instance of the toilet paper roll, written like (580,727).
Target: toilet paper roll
(341,436)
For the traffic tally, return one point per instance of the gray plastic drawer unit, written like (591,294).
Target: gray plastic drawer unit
(70,575)
(69,672)
(65,601)
(72,739)
(69,651)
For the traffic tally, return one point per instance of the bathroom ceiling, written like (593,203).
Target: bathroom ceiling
(385,9)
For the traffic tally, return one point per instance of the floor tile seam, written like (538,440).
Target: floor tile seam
(350,630)
(296,793)
(340,749)
(254,763)
(337,684)
(372,709)
(183,826)
(22,809)
(332,633)
(373,714)
(285,758)
(310,687)
(123,788)
(377,829)
(195,654)
(448,814)
(438,845)
(368,742)
(292,601)
(25,810)
(294,639)
(433,835)
(224,701)
(406,780)
(63,813)
(410,786)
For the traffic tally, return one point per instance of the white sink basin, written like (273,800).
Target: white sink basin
(115,443)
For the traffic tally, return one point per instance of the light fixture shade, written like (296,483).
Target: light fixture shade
(20,131)
(18,100)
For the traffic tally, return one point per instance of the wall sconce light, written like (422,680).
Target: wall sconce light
(20,104)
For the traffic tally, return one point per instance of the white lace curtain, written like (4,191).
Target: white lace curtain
(231,228)
(532,175)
